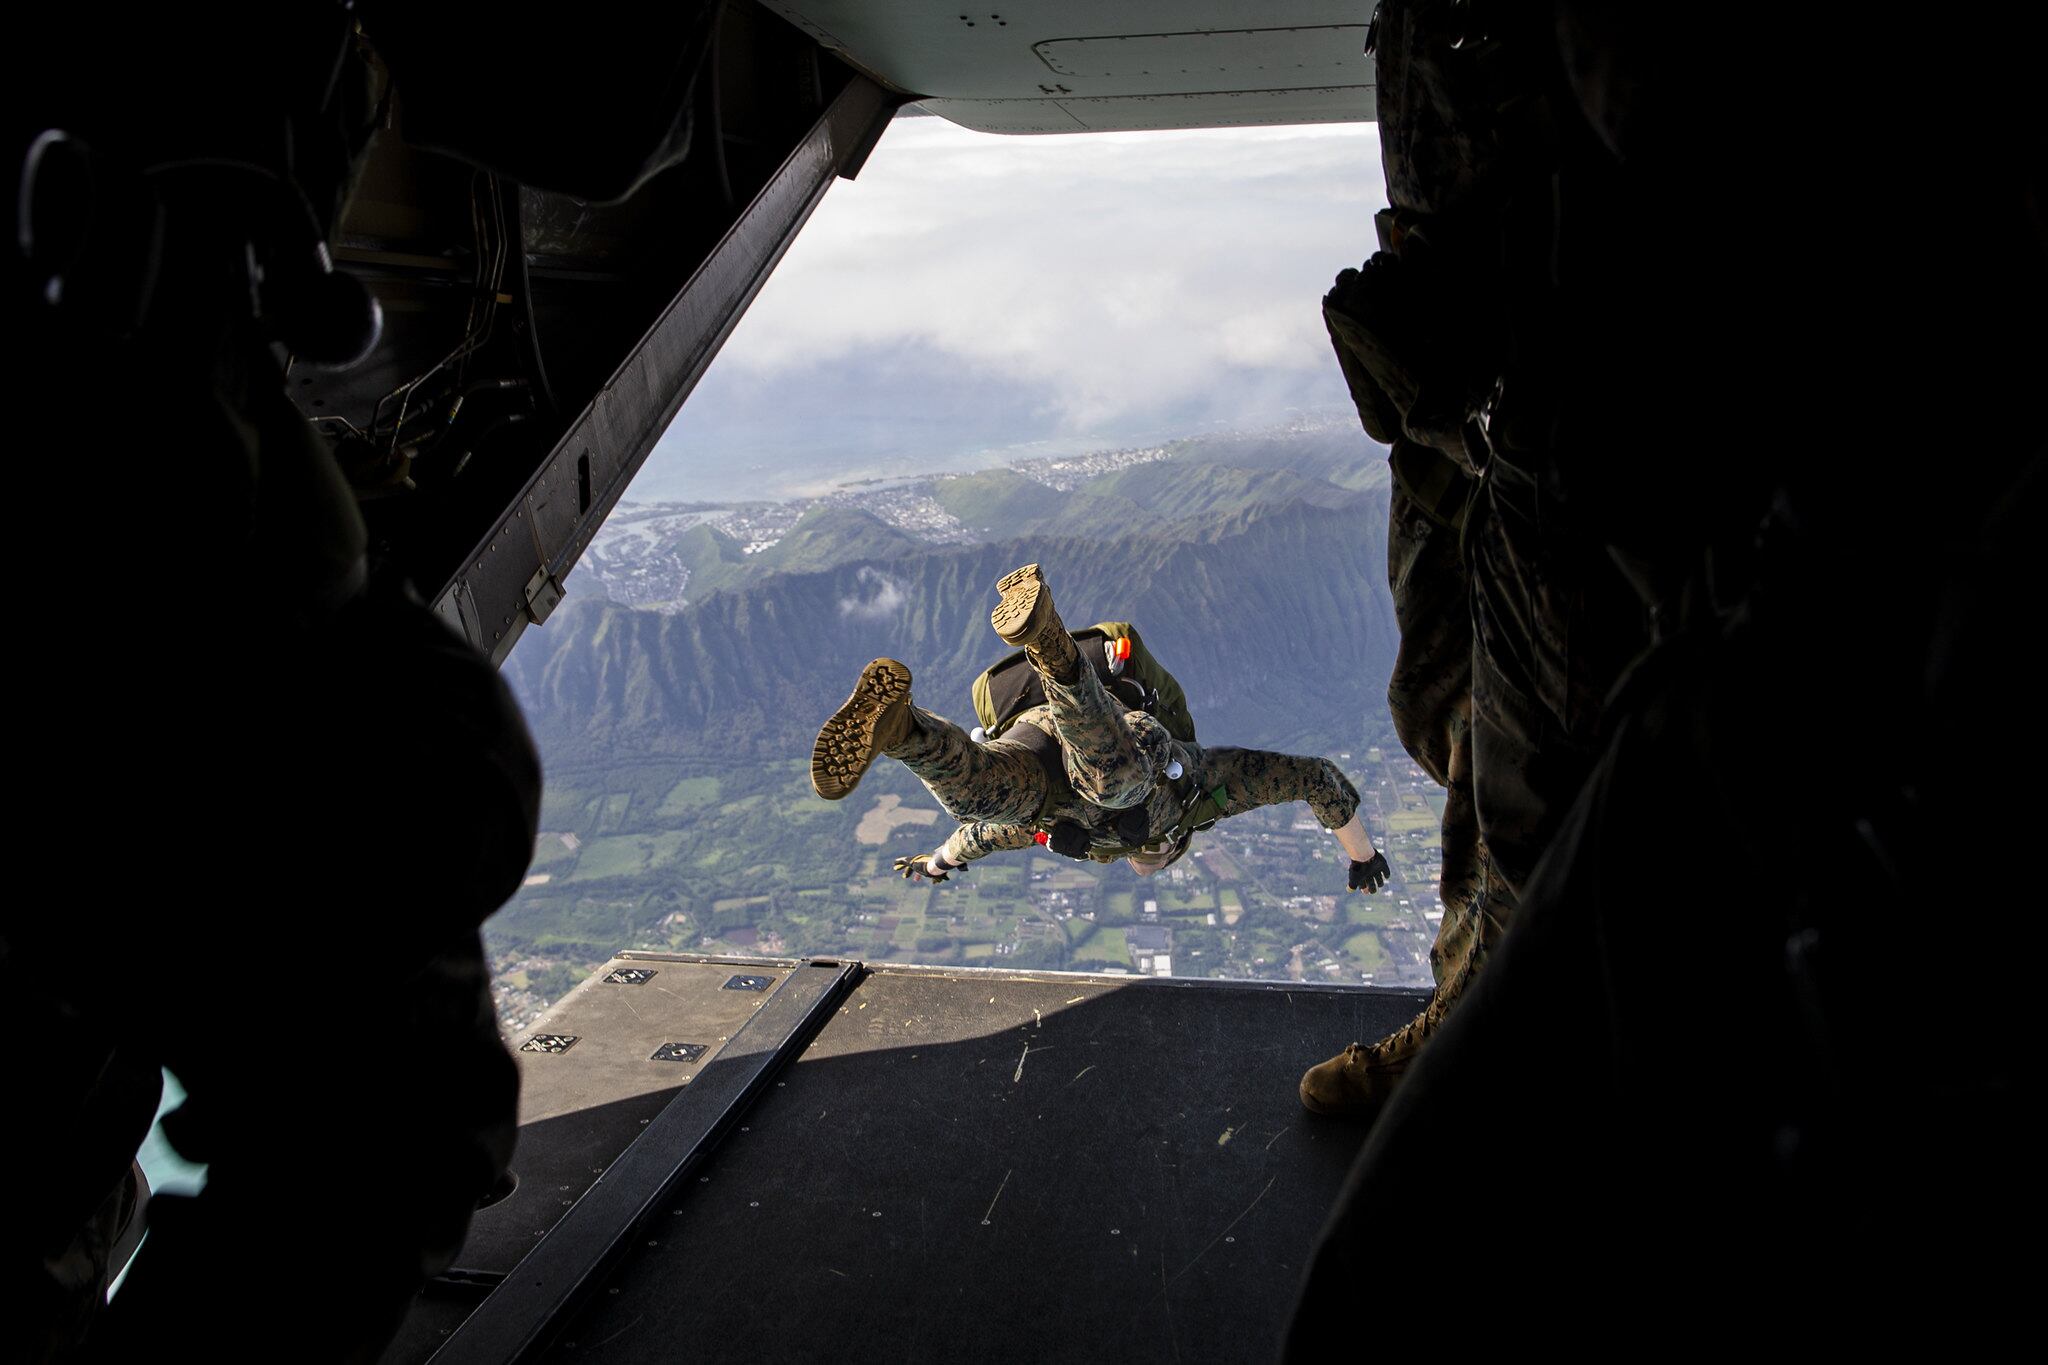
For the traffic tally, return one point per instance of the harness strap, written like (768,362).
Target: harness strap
(1193,819)
(1200,807)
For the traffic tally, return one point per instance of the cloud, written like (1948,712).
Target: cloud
(1123,270)
(1098,282)
(887,600)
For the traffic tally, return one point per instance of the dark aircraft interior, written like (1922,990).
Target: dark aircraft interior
(360,319)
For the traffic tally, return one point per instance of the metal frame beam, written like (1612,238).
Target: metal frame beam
(513,576)
(522,1315)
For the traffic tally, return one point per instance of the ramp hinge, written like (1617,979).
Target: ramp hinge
(543,594)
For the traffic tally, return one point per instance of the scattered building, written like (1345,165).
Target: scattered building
(1149,938)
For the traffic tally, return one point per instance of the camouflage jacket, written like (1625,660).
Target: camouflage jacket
(1247,778)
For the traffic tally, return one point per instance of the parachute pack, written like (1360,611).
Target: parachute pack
(1010,687)
(1135,680)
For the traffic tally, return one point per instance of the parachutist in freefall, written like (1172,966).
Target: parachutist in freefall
(1080,771)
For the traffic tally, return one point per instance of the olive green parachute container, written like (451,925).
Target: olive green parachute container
(1010,687)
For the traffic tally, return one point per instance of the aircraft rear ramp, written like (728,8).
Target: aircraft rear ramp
(901,1163)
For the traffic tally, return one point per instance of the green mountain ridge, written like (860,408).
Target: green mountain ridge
(1342,455)
(1001,504)
(823,537)
(1000,498)
(1176,490)
(1274,615)
(828,536)
(1128,501)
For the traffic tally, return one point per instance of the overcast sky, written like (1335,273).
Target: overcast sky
(971,294)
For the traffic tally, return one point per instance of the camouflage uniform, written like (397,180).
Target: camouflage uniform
(1505,597)
(1429,693)
(1551,631)
(1499,682)
(1114,760)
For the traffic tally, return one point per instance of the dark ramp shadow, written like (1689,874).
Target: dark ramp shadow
(984,1165)
(557,1161)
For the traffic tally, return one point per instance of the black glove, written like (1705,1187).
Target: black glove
(1068,838)
(1371,874)
(921,865)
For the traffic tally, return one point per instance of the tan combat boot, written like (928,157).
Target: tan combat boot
(875,719)
(1026,617)
(1358,1082)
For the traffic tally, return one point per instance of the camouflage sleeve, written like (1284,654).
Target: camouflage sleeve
(979,838)
(1254,777)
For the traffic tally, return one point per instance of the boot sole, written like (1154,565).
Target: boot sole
(1314,1108)
(1021,592)
(846,743)
(1336,1111)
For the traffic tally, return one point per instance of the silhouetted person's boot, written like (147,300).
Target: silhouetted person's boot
(1358,1082)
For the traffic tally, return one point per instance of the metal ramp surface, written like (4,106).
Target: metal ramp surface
(909,1164)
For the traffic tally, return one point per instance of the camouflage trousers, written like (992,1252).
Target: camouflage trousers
(1554,625)
(1113,760)
(1429,694)
(1112,757)
(1508,647)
